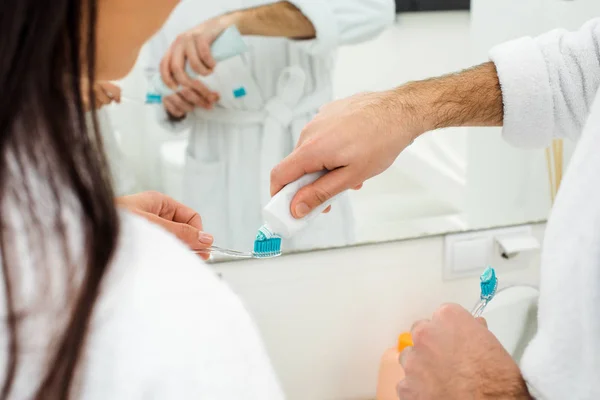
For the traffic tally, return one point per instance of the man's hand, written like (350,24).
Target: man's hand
(104,93)
(456,357)
(186,99)
(176,218)
(192,47)
(355,138)
(360,137)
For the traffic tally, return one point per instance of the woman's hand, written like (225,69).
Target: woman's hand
(104,93)
(173,216)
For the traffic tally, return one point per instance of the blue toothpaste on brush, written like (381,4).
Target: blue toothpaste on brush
(267,244)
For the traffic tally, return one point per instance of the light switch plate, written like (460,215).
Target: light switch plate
(471,253)
(468,254)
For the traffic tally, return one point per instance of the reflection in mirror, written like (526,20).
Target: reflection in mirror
(216,158)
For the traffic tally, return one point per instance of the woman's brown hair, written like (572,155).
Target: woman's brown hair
(46,47)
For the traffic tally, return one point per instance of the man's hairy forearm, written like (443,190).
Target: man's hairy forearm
(280,19)
(470,98)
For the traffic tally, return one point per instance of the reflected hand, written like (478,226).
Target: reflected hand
(355,139)
(192,47)
(104,93)
(173,216)
(186,99)
(455,356)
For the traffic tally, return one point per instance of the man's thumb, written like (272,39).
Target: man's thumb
(314,196)
(482,321)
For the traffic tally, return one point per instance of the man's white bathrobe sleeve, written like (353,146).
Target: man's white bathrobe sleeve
(550,89)
(342,22)
(548,84)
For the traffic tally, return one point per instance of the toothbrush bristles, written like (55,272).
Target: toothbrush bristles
(267,248)
(267,244)
(489,284)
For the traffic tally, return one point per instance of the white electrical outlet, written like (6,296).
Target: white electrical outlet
(468,254)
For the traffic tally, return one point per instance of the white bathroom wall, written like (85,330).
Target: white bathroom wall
(418,46)
(326,317)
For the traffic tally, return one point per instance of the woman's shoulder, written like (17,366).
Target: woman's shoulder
(165,319)
(142,241)
(152,265)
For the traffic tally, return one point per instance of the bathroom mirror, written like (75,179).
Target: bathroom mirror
(447,181)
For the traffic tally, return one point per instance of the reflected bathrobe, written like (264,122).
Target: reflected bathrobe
(550,86)
(233,147)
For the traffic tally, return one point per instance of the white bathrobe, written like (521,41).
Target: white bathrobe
(550,87)
(233,148)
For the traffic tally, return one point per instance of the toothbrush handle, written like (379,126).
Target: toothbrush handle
(225,252)
(479,307)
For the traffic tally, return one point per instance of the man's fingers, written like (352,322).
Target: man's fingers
(293,167)
(200,95)
(181,103)
(320,191)
(193,58)
(192,97)
(482,321)
(417,330)
(403,356)
(205,54)
(178,66)
(172,108)
(204,91)
(165,71)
